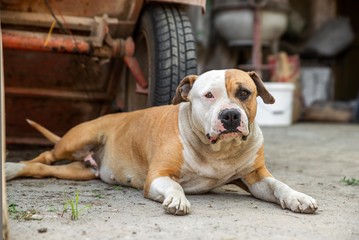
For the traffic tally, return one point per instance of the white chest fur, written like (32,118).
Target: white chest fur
(206,167)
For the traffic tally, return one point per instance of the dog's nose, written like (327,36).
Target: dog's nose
(230,118)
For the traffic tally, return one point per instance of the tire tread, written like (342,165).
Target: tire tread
(175,50)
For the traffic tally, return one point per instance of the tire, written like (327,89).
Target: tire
(165,49)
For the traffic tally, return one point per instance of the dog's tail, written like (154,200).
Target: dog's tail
(49,135)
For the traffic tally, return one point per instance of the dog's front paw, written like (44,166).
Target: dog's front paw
(299,202)
(176,204)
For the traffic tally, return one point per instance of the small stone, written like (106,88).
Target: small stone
(42,230)
(36,217)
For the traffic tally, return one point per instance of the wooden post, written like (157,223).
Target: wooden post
(5,227)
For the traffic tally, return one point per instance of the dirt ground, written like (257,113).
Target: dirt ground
(312,158)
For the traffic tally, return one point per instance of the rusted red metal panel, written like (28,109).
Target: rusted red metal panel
(47,70)
(126,11)
(74,76)
(57,90)
(121,9)
(57,115)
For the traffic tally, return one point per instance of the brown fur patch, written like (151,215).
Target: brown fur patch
(259,170)
(236,79)
(183,89)
(262,91)
(168,160)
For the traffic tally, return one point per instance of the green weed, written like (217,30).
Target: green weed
(97,194)
(12,209)
(352,181)
(20,215)
(74,206)
(117,188)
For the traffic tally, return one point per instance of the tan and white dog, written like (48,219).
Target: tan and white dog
(206,139)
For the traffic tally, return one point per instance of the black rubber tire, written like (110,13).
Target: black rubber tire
(169,54)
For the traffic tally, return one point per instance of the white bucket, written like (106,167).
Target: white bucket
(279,113)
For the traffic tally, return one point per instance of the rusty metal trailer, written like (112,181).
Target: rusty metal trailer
(67,62)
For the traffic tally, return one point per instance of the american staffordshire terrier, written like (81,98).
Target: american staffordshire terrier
(206,139)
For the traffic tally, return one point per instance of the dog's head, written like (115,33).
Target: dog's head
(223,102)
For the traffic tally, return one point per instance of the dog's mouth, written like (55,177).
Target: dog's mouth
(225,135)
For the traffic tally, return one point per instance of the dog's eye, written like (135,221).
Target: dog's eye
(209,95)
(243,94)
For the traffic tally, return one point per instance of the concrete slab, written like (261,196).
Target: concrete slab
(312,158)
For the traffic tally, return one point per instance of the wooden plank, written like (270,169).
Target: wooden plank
(5,229)
(45,20)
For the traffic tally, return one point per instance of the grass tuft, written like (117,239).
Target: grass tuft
(74,206)
(97,194)
(350,181)
(117,188)
(12,208)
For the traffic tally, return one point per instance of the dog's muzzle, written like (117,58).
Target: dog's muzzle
(231,122)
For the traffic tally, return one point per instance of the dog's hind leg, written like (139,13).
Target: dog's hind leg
(78,144)
(84,166)
(49,158)
(46,157)
(71,171)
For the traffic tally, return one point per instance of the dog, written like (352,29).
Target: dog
(207,138)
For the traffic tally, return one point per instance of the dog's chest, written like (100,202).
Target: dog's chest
(202,172)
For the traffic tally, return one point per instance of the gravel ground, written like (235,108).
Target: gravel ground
(312,158)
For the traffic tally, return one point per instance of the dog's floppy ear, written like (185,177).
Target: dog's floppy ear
(183,89)
(262,91)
